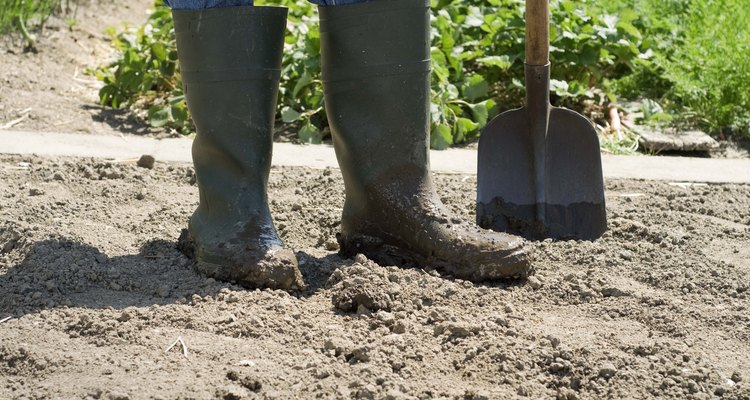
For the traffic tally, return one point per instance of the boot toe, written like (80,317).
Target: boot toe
(252,265)
(492,256)
(277,269)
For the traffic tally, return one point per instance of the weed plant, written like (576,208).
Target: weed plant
(24,15)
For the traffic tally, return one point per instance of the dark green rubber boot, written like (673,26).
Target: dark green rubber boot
(230,62)
(376,80)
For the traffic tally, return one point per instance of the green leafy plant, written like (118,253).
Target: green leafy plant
(146,77)
(599,50)
(301,90)
(711,65)
(478,59)
(477,52)
(699,66)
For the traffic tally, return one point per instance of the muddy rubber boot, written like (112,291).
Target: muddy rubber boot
(376,80)
(230,62)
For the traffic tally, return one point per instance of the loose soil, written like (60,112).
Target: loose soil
(97,293)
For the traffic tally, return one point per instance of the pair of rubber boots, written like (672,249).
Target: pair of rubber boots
(376,80)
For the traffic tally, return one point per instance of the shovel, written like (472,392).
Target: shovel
(540,171)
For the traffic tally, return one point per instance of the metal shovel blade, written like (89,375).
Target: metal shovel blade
(539,170)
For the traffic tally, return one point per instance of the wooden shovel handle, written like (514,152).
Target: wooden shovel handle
(537,32)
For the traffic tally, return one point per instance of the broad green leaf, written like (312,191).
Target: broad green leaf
(309,133)
(303,81)
(474,88)
(159,115)
(288,114)
(481,111)
(441,137)
(463,127)
(502,62)
(159,52)
(474,17)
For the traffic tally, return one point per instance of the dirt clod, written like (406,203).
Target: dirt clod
(146,161)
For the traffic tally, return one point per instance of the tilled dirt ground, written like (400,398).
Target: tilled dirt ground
(49,90)
(97,293)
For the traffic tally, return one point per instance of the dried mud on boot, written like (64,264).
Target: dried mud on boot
(273,266)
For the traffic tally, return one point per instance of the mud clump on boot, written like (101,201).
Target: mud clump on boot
(250,265)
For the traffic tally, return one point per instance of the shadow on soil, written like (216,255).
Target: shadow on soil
(57,273)
(67,273)
(121,120)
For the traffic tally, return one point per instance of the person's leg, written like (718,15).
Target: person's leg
(202,4)
(375,61)
(336,2)
(230,61)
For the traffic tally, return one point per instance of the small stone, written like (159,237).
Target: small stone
(247,363)
(385,317)
(736,377)
(362,354)
(360,259)
(146,161)
(36,192)
(534,282)
(456,329)
(607,370)
(118,396)
(557,367)
(508,308)
(361,309)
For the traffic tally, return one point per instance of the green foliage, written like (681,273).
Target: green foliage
(478,59)
(710,68)
(146,74)
(700,64)
(301,90)
(665,51)
(23,15)
(26,11)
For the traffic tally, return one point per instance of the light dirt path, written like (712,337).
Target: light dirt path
(463,161)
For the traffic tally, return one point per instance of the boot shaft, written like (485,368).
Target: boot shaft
(376,75)
(230,61)
(230,44)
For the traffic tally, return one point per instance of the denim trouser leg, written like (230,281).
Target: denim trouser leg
(336,2)
(201,4)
